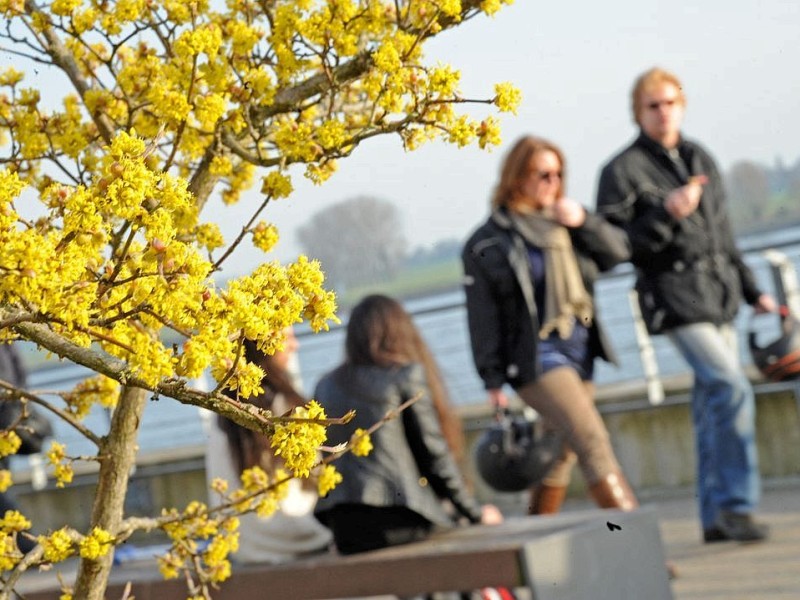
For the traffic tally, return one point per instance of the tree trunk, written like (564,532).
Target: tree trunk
(118,455)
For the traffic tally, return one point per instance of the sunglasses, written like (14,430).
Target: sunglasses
(549,176)
(667,103)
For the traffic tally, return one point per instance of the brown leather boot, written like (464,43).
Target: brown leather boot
(546,499)
(613,491)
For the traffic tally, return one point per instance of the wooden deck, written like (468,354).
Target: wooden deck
(730,571)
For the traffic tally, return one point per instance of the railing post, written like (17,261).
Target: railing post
(784,277)
(647,354)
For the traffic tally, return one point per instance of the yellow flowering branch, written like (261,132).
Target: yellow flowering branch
(119,371)
(182,126)
(390,415)
(63,59)
(32,396)
(121,257)
(242,233)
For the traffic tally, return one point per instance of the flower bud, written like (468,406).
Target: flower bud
(116,169)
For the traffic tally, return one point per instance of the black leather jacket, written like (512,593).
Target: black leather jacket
(688,270)
(410,464)
(501,307)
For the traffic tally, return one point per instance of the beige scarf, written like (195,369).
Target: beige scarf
(565,296)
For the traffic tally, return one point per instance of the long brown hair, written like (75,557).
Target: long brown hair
(250,448)
(380,332)
(516,166)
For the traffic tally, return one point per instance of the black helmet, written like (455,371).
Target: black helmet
(780,360)
(516,452)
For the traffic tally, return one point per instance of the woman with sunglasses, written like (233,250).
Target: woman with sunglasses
(529,274)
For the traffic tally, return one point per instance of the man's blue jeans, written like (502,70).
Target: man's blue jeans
(723,411)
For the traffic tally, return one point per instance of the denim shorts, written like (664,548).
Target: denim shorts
(571,352)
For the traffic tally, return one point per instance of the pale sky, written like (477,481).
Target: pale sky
(575,63)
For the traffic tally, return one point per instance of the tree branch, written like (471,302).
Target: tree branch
(64,60)
(241,413)
(31,397)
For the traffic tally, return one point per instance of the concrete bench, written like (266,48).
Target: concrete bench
(583,554)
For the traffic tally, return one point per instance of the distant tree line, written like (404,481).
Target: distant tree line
(359,240)
(362,241)
(760,196)
(443,250)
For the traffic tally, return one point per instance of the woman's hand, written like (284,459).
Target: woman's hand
(498,398)
(569,212)
(491,515)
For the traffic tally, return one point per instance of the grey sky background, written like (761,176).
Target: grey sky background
(575,63)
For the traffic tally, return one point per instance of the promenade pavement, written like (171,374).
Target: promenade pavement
(729,571)
(732,571)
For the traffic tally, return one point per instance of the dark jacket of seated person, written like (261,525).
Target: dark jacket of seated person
(393,495)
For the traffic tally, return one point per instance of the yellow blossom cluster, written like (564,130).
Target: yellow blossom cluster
(99,389)
(12,524)
(9,553)
(360,442)
(96,544)
(298,441)
(259,492)
(9,443)
(58,546)
(328,479)
(265,236)
(196,533)
(219,71)
(61,463)
(154,275)
(6,481)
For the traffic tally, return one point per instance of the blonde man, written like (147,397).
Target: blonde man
(666,192)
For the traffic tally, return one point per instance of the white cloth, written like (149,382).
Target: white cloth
(285,535)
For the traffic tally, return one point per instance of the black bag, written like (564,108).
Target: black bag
(516,452)
(33,430)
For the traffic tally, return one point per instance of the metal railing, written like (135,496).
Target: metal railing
(646,362)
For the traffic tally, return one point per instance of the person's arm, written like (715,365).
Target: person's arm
(752,293)
(430,450)
(638,209)
(605,243)
(483,319)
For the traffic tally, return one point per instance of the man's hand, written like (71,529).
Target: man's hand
(683,201)
(765,304)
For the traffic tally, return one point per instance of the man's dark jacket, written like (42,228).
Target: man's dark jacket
(410,464)
(501,306)
(688,270)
